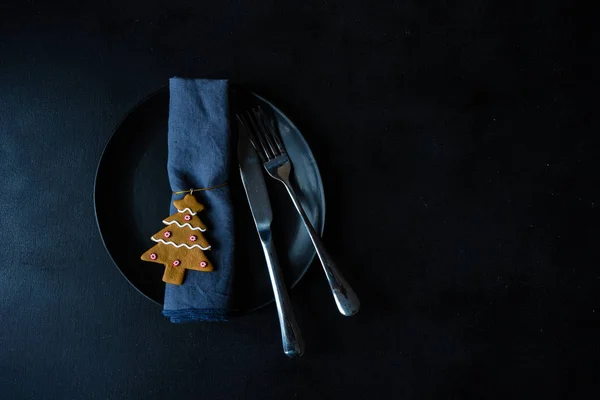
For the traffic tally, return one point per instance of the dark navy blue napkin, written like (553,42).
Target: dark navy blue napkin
(199,156)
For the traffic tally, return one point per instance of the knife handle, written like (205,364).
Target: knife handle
(293,344)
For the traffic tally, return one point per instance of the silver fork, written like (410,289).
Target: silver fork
(275,159)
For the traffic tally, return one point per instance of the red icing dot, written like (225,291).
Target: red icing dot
(193,238)
(153,256)
(176,263)
(203,264)
(167,234)
(187,217)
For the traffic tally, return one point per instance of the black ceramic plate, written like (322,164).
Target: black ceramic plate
(132,197)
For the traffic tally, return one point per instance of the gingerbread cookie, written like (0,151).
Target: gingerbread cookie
(181,244)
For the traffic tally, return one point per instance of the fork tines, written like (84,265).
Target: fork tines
(262,134)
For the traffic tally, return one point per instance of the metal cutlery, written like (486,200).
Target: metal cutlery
(272,152)
(258,198)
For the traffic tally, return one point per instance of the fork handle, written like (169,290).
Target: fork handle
(345,298)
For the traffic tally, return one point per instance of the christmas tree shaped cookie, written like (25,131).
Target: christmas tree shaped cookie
(181,245)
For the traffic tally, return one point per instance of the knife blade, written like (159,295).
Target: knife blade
(260,206)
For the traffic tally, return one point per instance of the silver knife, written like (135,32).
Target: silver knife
(258,198)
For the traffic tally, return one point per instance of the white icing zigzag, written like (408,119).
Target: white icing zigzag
(186,209)
(186,224)
(182,244)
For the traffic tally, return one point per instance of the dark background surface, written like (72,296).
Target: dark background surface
(458,147)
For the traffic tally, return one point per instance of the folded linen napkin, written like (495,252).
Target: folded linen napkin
(199,156)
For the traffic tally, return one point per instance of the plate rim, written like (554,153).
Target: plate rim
(284,116)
